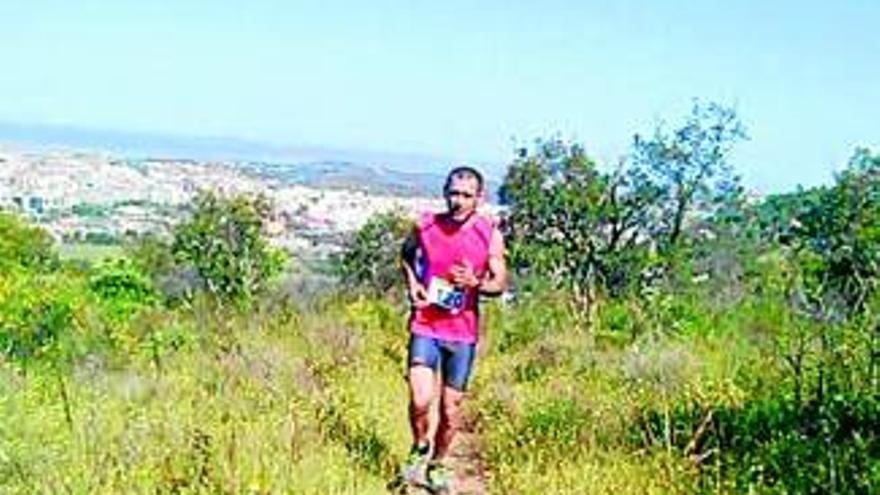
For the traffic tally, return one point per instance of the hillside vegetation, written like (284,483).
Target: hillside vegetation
(665,334)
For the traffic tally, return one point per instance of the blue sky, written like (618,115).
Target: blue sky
(459,80)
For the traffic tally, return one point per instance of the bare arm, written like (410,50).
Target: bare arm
(495,281)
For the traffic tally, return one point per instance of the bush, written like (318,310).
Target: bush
(826,447)
(23,246)
(37,313)
(371,257)
(122,288)
(222,240)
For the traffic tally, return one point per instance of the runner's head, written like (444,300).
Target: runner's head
(463,191)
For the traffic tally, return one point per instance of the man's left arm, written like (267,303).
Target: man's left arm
(494,283)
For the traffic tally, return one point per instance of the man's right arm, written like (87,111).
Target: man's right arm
(417,293)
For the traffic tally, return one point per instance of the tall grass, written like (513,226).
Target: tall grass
(313,404)
(285,400)
(706,406)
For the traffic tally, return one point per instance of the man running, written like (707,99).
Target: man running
(449,260)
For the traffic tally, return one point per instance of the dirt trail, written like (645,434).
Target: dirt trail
(466,461)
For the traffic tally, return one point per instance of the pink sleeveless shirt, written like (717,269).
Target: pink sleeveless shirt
(443,244)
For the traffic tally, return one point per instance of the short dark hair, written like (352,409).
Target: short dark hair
(464,172)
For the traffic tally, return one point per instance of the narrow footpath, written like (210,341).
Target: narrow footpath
(467,461)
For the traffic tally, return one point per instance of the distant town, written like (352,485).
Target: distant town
(102,198)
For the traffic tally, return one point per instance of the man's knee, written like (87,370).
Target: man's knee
(420,404)
(422,384)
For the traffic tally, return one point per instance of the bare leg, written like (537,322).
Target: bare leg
(422,384)
(450,419)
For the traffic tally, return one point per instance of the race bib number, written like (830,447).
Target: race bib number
(445,295)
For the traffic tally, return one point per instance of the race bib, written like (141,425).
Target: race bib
(445,295)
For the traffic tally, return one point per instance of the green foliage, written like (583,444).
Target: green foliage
(541,311)
(558,205)
(745,363)
(837,232)
(720,404)
(152,255)
(87,254)
(39,315)
(371,257)
(828,447)
(24,246)
(223,241)
(787,407)
(316,404)
(556,426)
(583,228)
(281,413)
(122,288)
(827,341)
(688,171)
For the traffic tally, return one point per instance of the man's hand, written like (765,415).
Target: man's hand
(463,275)
(418,296)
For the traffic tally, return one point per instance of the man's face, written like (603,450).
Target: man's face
(462,195)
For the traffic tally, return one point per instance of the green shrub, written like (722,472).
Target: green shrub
(371,258)
(122,288)
(223,241)
(24,246)
(41,315)
(832,446)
